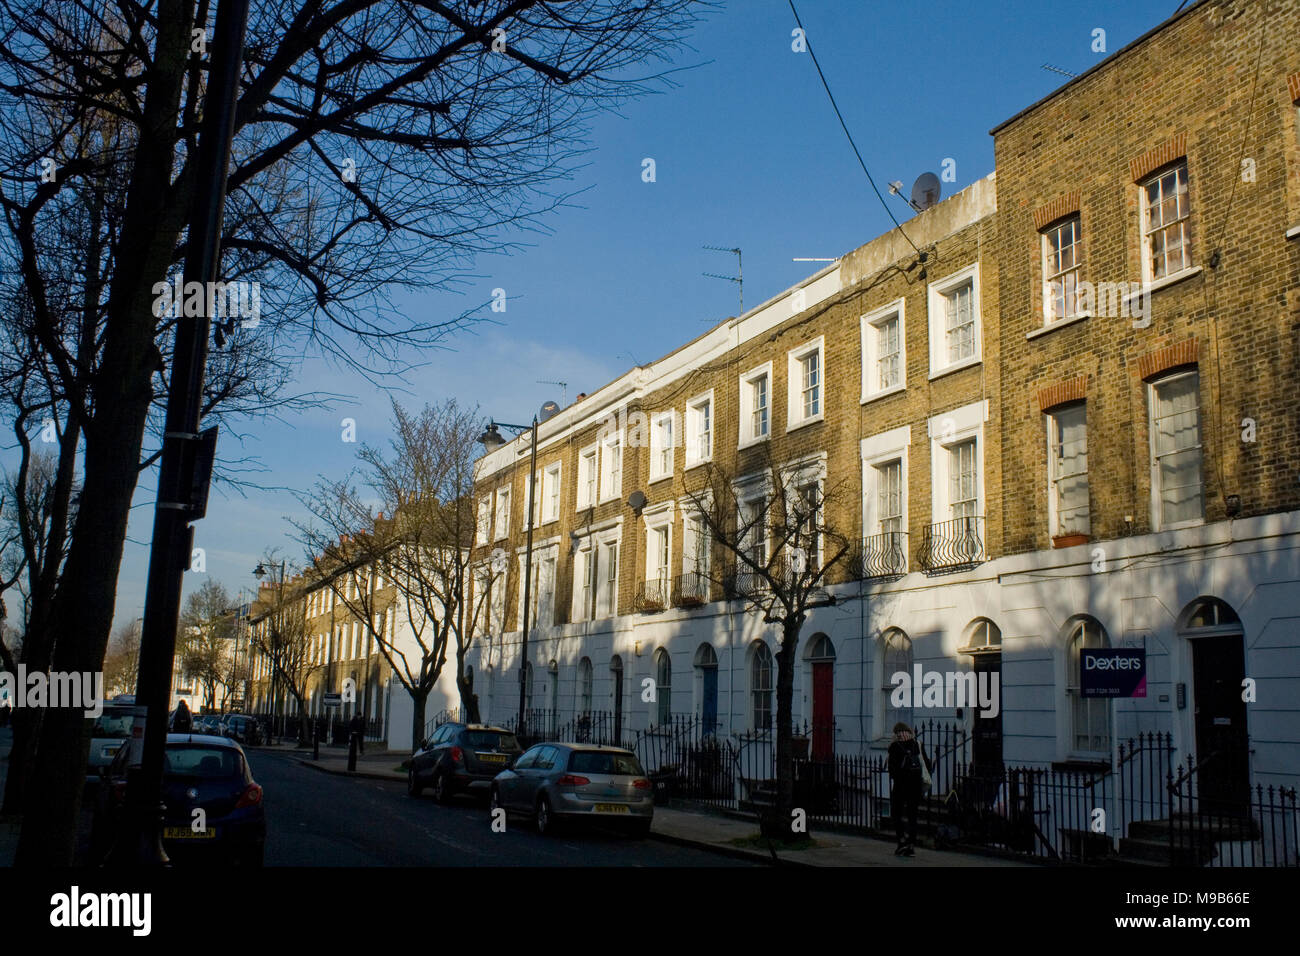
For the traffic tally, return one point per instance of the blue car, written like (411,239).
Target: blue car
(202,773)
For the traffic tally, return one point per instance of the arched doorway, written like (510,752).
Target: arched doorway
(821,655)
(706,665)
(616,678)
(1219,713)
(984,644)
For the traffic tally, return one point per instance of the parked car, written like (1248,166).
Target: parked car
(202,771)
(461,758)
(243,728)
(108,734)
(556,782)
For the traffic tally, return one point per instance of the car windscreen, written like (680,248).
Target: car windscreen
(593,761)
(194,760)
(113,724)
(490,740)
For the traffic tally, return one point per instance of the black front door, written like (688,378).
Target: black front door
(986,734)
(1222,745)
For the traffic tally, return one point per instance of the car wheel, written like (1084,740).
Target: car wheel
(441,788)
(544,818)
(413,786)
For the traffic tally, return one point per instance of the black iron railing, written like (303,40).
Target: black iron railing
(690,589)
(1259,827)
(651,595)
(883,555)
(952,545)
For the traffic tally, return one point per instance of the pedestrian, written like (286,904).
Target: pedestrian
(906,777)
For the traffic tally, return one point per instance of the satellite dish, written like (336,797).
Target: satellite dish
(548,410)
(925,191)
(636,501)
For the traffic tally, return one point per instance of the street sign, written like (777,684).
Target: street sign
(332,700)
(1113,672)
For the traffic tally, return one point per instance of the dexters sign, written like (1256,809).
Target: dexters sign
(1113,672)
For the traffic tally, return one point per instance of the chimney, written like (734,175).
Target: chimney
(580,397)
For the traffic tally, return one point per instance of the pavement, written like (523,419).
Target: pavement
(716,831)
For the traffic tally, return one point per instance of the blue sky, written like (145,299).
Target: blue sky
(748,153)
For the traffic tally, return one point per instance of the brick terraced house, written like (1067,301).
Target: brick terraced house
(1070,425)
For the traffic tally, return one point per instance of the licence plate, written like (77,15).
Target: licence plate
(185,833)
(492,758)
(611,808)
(110,750)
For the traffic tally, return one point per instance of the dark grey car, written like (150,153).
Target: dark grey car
(555,782)
(461,758)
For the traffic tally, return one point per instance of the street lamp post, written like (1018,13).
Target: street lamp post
(260,572)
(492,440)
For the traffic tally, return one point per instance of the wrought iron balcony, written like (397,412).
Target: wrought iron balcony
(883,555)
(690,589)
(651,595)
(953,545)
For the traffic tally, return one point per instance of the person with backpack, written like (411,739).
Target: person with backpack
(908,771)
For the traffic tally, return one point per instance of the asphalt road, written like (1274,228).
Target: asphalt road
(321,819)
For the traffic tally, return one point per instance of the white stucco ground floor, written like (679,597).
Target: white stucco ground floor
(1216,609)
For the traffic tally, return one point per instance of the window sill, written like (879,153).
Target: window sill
(658,478)
(1293,232)
(884,393)
(955,367)
(807,421)
(751,442)
(1059,324)
(1161,283)
(698,462)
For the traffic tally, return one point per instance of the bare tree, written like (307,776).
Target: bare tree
(379,146)
(122,662)
(206,638)
(424,483)
(778,529)
(278,633)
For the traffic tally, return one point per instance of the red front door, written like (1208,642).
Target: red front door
(823,710)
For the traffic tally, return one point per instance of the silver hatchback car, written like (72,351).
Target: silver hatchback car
(555,782)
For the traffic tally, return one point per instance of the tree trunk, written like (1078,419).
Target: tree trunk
(26,725)
(784,718)
(419,698)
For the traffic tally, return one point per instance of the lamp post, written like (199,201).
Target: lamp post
(260,572)
(491,440)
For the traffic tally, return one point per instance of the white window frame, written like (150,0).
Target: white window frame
(656,524)
(584,582)
(938,292)
(501,517)
(541,592)
(606,583)
(799,474)
(1152,386)
(657,450)
(1049,299)
(692,430)
(967,422)
(1051,418)
(552,489)
(796,416)
(871,330)
(746,491)
(483,533)
(876,451)
(588,482)
(610,487)
(747,405)
(1148,271)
